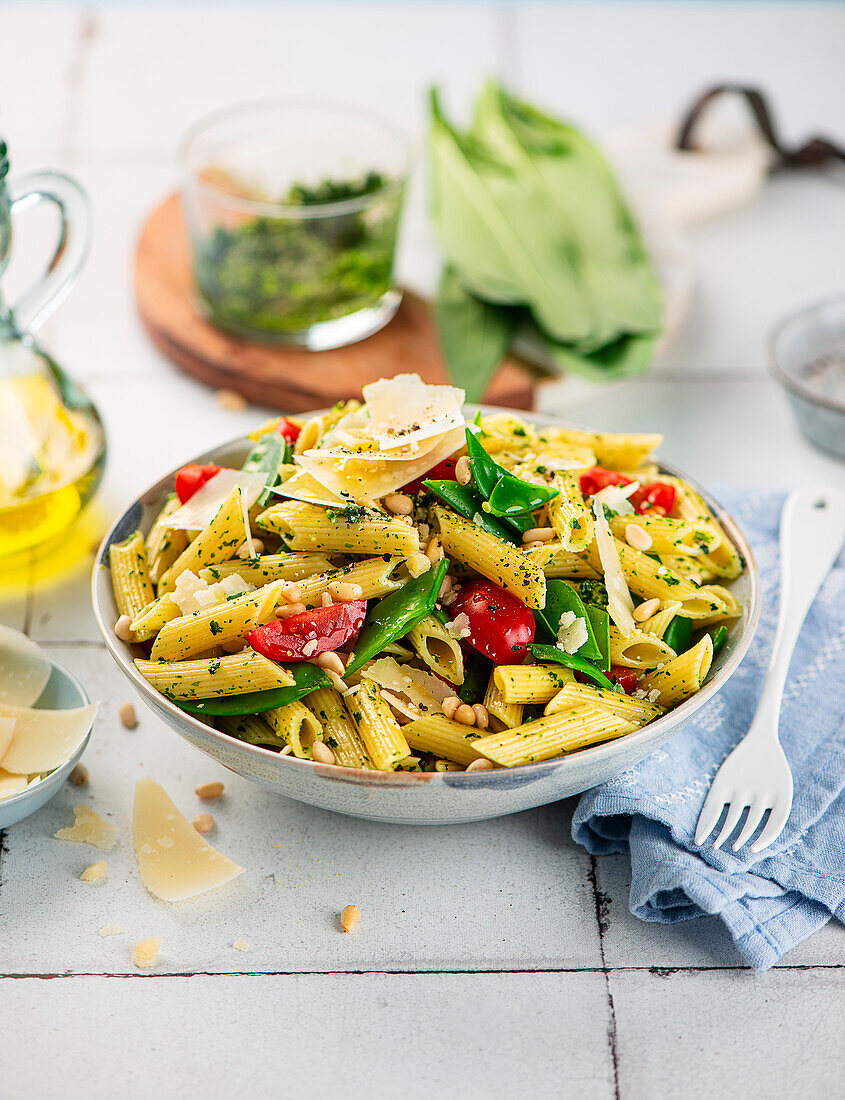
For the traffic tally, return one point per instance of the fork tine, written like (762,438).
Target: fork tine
(774,826)
(711,811)
(759,806)
(731,821)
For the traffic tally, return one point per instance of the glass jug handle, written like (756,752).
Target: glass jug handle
(36,304)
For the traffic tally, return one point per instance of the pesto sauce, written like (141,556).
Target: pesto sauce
(281,275)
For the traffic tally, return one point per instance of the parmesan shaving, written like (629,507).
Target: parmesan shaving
(12,784)
(192,593)
(24,670)
(616,498)
(44,739)
(7,732)
(414,693)
(89,828)
(620,606)
(572,632)
(196,513)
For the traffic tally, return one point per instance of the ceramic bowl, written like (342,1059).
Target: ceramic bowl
(430,798)
(62,692)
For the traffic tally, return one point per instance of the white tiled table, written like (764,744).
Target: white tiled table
(494,959)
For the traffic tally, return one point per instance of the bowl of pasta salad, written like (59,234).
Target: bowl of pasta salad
(412,610)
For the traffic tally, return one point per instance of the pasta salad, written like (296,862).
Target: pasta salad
(388,586)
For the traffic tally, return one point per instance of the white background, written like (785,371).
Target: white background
(493,959)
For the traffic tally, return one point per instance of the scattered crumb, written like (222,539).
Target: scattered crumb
(240,945)
(111,930)
(349,917)
(231,400)
(203,823)
(79,776)
(128,716)
(95,871)
(145,952)
(89,828)
(210,790)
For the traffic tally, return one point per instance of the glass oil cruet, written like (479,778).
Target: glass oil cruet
(52,444)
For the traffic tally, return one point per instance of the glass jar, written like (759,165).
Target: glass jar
(293,211)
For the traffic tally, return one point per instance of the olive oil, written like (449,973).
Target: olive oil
(51,457)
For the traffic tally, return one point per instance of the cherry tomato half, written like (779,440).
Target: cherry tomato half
(626,678)
(500,625)
(288,429)
(191,478)
(659,497)
(307,635)
(443,471)
(596,479)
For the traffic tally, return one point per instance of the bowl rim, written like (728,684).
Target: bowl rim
(30,791)
(652,731)
(779,372)
(394,184)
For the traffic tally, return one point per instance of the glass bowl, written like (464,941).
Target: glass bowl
(807,358)
(293,210)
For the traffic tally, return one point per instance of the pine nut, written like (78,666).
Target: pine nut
(122,629)
(79,776)
(331,662)
(418,564)
(326,599)
(258,546)
(424,531)
(368,502)
(538,534)
(212,789)
(445,587)
(638,537)
(463,470)
(240,945)
(434,550)
(344,590)
(322,753)
(465,715)
(482,764)
(399,504)
(337,683)
(645,610)
(234,645)
(290,609)
(292,593)
(349,917)
(231,400)
(203,823)
(450,705)
(286,750)
(95,872)
(244,553)
(128,716)
(482,718)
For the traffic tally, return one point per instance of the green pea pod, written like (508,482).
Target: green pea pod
(719,637)
(512,497)
(476,677)
(396,614)
(467,503)
(308,678)
(571,660)
(599,621)
(560,598)
(265,458)
(678,634)
(485,471)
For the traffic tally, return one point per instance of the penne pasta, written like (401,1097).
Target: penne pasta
(442,737)
(164,544)
(437,649)
(216,625)
(382,735)
(218,542)
(557,562)
(130,577)
(295,725)
(669,536)
(499,561)
(682,676)
(150,619)
(251,728)
(638,649)
(339,731)
(208,679)
(632,709)
(310,527)
(569,515)
(530,683)
(269,567)
(375,576)
(546,737)
(502,715)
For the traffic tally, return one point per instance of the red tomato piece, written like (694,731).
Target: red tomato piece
(307,635)
(443,471)
(625,677)
(596,479)
(288,429)
(658,497)
(191,478)
(501,626)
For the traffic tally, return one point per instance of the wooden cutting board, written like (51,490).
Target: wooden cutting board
(289,379)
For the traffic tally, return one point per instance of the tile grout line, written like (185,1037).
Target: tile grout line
(86,32)
(601,902)
(655,971)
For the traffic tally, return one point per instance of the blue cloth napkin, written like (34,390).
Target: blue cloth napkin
(771,901)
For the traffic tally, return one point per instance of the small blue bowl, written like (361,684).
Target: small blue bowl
(62,692)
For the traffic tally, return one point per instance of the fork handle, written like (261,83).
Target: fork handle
(812,530)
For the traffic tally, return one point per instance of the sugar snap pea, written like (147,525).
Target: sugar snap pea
(308,678)
(573,661)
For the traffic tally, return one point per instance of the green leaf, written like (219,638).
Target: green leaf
(512,497)
(599,621)
(474,335)
(626,357)
(678,634)
(560,598)
(308,678)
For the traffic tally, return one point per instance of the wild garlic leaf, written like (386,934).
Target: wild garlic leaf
(474,335)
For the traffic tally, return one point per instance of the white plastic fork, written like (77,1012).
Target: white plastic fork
(756,775)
